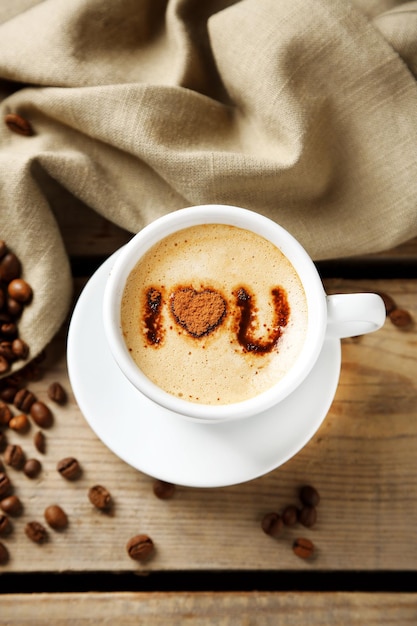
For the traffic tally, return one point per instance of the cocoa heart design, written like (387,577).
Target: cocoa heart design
(199,312)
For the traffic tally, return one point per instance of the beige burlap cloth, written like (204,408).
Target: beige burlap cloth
(303,110)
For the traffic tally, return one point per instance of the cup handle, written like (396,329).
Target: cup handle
(353,314)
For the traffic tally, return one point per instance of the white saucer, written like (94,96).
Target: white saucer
(163,444)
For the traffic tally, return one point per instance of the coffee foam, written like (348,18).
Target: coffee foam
(214,368)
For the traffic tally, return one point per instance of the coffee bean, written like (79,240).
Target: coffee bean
(6,351)
(36,532)
(5,484)
(19,290)
(4,554)
(163,490)
(18,124)
(31,468)
(14,307)
(5,525)
(41,414)
(57,393)
(309,495)
(290,515)
(24,399)
(20,349)
(20,423)
(8,393)
(388,301)
(14,456)
(99,497)
(3,442)
(69,468)
(400,318)
(11,505)
(5,414)
(39,441)
(303,548)
(272,524)
(308,516)
(10,267)
(4,365)
(140,547)
(56,517)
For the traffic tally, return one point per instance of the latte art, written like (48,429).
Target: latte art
(214,314)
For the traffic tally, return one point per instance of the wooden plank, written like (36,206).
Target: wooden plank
(362,460)
(231,609)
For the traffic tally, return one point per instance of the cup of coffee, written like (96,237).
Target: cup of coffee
(216,312)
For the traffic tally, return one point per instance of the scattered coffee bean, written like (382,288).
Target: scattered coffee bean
(100,497)
(272,524)
(19,290)
(10,267)
(24,399)
(36,532)
(4,554)
(303,548)
(39,441)
(20,423)
(163,490)
(20,348)
(14,456)
(8,393)
(400,318)
(5,414)
(57,393)
(11,505)
(69,468)
(140,547)
(41,414)
(5,525)
(56,517)
(31,468)
(290,515)
(5,484)
(309,495)
(18,124)
(308,516)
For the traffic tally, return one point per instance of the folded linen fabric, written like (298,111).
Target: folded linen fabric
(303,110)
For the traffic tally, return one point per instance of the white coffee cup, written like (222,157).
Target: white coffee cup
(336,316)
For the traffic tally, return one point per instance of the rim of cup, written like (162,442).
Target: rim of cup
(247,219)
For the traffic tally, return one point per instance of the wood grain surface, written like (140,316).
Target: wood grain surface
(362,460)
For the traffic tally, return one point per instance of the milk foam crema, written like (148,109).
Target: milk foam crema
(214,314)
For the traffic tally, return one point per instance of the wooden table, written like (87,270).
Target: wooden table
(213,564)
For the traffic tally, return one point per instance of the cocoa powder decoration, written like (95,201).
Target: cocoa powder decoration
(199,312)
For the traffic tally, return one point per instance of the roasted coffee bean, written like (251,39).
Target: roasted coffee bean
(69,468)
(57,393)
(19,290)
(41,414)
(20,423)
(11,505)
(290,515)
(5,525)
(401,318)
(100,497)
(308,516)
(31,468)
(272,524)
(5,484)
(36,532)
(39,441)
(140,547)
(163,490)
(8,329)
(20,349)
(304,548)
(7,394)
(24,399)
(5,414)
(14,308)
(4,554)
(14,456)
(4,365)
(18,124)
(10,267)
(309,495)
(6,351)
(56,517)
(388,301)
